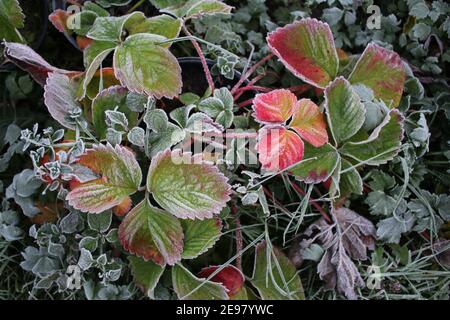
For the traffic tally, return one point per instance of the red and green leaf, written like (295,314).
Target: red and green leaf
(279,148)
(274,275)
(382,71)
(120,176)
(152,233)
(189,287)
(309,123)
(276,106)
(317,165)
(345,111)
(187,187)
(230,277)
(307,49)
(59,20)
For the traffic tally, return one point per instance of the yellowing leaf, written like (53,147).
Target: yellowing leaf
(187,190)
(120,177)
(382,71)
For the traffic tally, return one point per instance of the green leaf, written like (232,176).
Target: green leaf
(163,25)
(381,146)
(146,275)
(100,222)
(195,8)
(11,19)
(143,66)
(112,28)
(187,187)
(184,284)
(120,177)
(317,165)
(219,107)
(94,49)
(345,112)
(307,49)
(152,233)
(274,275)
(199,236)
(110,99)
(382,71)
(85,19)
(350,180)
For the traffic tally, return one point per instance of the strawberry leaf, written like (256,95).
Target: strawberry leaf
(143,66)
(381,146)
(109,99)
(120,177)
(11,19)
(199,236)
(146,275)
(152,233)
(230,277)
(382,71)
(276,106)
(60,99)
(163,25)
(196,8)
(307,49)
(274,275)
(112,28)
(309,123)
(189,287)
(350,180)
(187,190)
(279,148)
(317,165)
(345,111)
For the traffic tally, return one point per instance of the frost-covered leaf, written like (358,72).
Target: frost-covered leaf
(349,238)
(380,203)
(382,145)
(163,25)
(345,112)
(192,189)
(146,275)
(152,233)
(195,8)
(28,60)
(60,99)
(230,277)
(350,181)
(199,236)
(392,228)
(382,71)
(95,49)
(309,123)
(111,28)
(186,286)
(120,177)
(307,49)
(137,136)
(100,221)
(317,165)
(143,66)
(220,107)
(276,106)
(279,148)
(274,275)
(110,99)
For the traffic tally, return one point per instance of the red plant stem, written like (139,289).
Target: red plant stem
(202,59)
(245,103)
(313,202)
(239,93)
(250,72)
(254,88)
(239,242)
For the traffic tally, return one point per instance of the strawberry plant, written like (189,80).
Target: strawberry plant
(287,167)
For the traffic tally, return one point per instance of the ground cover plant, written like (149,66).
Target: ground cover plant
(206,149)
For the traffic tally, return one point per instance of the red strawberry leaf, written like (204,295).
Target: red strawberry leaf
(230,277)
(309,123)
(276,106)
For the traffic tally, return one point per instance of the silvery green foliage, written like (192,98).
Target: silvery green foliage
(219,107)
(9,221)
(12,135)
(136,102)
(113,136)
(225,66)
(23,187)
(99,291)
(137,136)
(114,117)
